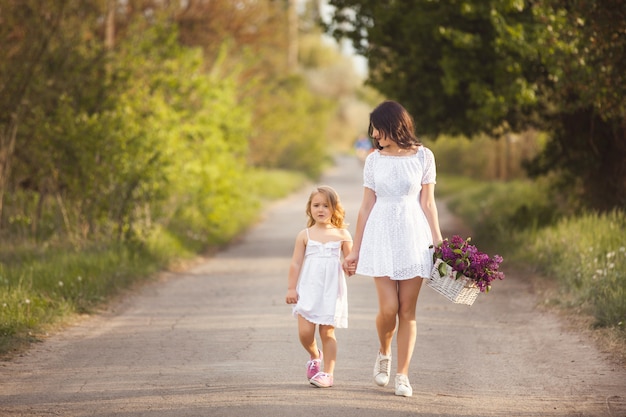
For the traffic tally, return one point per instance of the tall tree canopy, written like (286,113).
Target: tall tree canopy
(474,66)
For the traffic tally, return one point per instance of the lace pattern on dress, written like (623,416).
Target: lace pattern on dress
(397,236)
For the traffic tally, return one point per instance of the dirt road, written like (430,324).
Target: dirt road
(218,340)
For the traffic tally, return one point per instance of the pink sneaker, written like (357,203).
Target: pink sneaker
(314,366)
(322,380)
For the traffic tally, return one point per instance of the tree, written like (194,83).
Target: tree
(449,63)
(583,48)
(254,31)
(252,38)
(26,30)
(113,141)
(466,67)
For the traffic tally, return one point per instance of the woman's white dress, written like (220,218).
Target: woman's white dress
(322,289)
(397,238)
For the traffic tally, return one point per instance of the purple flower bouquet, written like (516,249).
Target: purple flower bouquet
(461,271)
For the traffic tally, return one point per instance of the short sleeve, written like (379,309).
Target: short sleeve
(430,170)
(368,171)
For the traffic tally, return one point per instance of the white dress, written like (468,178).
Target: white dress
(322,289)
(397,236)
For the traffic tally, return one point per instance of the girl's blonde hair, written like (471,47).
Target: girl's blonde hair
(338,213)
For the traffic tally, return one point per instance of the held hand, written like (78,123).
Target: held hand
(349,265)
(352,268)
(292,296)
(346,268)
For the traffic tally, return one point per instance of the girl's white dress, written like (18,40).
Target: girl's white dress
(322,289)
(397,236)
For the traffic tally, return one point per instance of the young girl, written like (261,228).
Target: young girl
(317,284)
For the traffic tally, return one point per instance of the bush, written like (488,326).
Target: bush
(497,211)
(42,285)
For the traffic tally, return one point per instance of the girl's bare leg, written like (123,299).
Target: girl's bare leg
(408,291)
(329,345)
(306,332)
(388,304)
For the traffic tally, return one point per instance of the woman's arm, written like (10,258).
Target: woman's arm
(429,206)
(369,198)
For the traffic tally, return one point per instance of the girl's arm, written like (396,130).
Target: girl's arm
(427,201)
(369,198)
(346,246)
(294,269)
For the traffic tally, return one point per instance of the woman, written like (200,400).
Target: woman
(396,225)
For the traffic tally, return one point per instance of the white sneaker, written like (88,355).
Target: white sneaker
(381,369)
(403,386)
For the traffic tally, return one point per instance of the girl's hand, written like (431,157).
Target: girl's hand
(292,296)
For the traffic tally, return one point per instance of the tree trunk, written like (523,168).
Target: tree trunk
(109,36)
(20,75)
(594,150)
(292,38)
(7,148)
(34,229)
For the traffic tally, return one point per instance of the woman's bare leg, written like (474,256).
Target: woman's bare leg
(408,291)
(388,303)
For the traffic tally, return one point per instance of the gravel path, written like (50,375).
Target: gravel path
(218,340)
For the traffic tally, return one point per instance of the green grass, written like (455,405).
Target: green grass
(43,286)
(587,254)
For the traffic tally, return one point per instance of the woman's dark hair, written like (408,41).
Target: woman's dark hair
(395,123)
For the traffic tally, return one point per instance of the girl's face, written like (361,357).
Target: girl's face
(320,209)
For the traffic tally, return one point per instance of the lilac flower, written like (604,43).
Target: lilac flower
(467,260)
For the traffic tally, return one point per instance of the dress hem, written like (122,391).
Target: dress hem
(335,324)
(391,277)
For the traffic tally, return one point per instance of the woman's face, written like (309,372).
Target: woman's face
(374,133)
(379,137)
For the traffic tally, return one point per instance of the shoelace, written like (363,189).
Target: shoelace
(383,366)
(403,380)
(313,363)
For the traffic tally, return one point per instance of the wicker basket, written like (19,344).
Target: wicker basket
(461,290)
